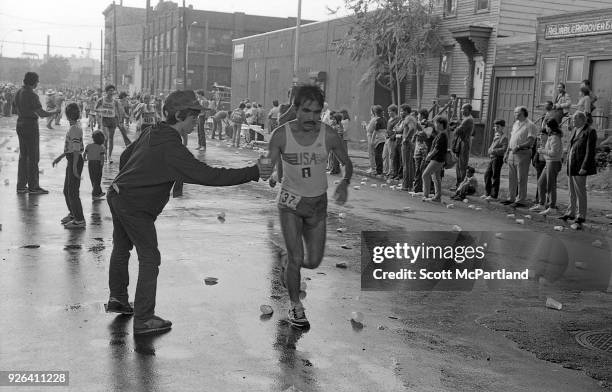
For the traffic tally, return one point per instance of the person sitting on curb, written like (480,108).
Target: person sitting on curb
(148,168)
(468,186)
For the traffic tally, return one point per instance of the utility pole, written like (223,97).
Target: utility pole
(185,46)
(48,46)
(205,76)
(144,47)
(114,44)
(101,59)
(296,58)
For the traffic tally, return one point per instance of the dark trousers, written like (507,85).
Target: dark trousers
(72,185)
(492,176)
(202,131)
(132,228)
(95,175)
(419,167)
(29,154)
(462,162)
(408,165)
(378,158)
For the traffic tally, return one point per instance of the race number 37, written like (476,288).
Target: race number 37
(288,199)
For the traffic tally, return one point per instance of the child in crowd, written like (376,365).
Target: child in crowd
(94,154)
(496,161)
(468,186)
(420,152)
(73,147)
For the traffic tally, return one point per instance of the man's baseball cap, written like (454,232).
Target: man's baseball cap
(500,122)
(181,100)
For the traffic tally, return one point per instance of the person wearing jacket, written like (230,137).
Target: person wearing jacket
(580,164)
(551,152)
(148,168)
(496,151)
(435,161)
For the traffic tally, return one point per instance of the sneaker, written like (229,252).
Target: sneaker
(74,224)
(507,202)
(98,196)
(537,207)
(489,198)
(116,306)
(153,325)
(297,318)
(66,219)
(38,191)
(565,217)
(484,196)
(517,204)
(22,190)
(549,211)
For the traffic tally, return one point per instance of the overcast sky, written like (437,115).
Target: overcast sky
(75,24)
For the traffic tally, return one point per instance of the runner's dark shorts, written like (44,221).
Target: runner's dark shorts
(309,207)
(109,122)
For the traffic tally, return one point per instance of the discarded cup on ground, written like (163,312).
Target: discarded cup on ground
(466,201)
(478,209)
(356,187)
(551,303)
(381,327)
(472,206)
(209,280)
(346,246)
(510,215)
(374,186)
(457,228)
(597,244)
(342,215)
(341,229)
(527,216)
(392,187)
(266,309)
(221,215)
(341,265)
(451,206)
(558,228)
(357,317)
(364,179)
(383,185)
(520,221)
(363,183)
(580,265)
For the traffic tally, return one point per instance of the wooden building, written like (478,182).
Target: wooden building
(489,59)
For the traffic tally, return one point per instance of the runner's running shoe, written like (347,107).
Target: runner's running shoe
(297,318)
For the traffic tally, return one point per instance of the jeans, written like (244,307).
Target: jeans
(433,171)
(462,162)
(217,127)
(133,228)
(417,185)
(547,184)
(29,154)
(386,157)
(95,175)
(378,157)
(539,166)
(492,176)
(202,131)
(408,164)
(72,186)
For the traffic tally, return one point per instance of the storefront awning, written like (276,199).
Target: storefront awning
(474,40)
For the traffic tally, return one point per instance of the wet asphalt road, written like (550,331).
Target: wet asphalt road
(53,284)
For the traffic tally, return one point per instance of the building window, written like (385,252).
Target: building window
(573,78)
(548,79)
(450,7)
(238,51)
(482,5)
(168,40)
(444,76)
(174,38)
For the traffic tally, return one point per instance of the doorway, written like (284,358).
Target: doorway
(601,81)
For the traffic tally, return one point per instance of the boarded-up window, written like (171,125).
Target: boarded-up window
(547,79)
(575,66)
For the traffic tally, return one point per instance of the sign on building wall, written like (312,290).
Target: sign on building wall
(575,29)
(238,51)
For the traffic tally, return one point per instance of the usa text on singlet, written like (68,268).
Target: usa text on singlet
(303,169)
(107,109)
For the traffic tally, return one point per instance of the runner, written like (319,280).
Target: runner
(145,115)
(302,145)
(111,112)
(147,170)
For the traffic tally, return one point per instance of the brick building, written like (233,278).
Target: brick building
(126,23)
(488,46)
(177,35)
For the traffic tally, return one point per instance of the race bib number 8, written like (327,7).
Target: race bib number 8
(288,199)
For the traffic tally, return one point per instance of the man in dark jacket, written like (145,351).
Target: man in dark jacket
(580,164)
(29,108)
(147,170)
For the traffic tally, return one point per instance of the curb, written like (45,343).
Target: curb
(495,206)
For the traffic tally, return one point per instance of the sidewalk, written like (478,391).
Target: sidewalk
(599,202)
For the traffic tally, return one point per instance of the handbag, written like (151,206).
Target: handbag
(449,160)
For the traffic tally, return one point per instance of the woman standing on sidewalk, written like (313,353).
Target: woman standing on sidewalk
(436,159)
(547,183)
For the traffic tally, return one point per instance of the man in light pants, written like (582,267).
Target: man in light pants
(518,157)
(580,164)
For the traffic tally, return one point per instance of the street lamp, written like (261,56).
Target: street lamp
(3,39)
(187,52)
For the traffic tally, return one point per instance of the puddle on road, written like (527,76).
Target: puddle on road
(32,246)
(70,247)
